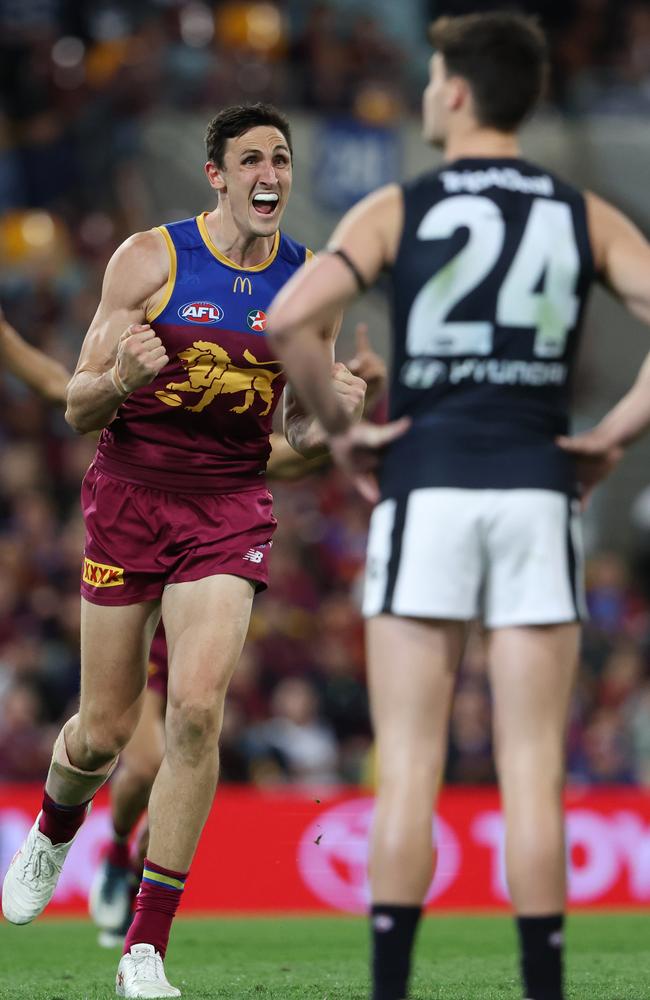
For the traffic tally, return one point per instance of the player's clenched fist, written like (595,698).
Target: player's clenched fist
(350,390)
(140,356)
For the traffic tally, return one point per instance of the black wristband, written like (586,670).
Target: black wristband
(358,277)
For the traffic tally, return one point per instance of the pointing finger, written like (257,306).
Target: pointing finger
(569,443)
(361,338)
(390,432)
(367,486)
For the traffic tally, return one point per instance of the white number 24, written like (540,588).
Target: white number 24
(547,258)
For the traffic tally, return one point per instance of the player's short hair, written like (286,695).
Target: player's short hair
(503,57)
(234,121)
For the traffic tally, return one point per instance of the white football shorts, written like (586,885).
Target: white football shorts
(508,557)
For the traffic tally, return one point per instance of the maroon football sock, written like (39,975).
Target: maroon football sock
(118,852)
(155,907)
(60,823)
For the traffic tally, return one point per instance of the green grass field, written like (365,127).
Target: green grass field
(459,958)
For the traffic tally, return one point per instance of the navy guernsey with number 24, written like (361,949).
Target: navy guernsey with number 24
(489,288)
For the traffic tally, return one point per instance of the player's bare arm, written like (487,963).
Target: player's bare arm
(622,257)
(301,429)
(46,376)
(120,352)
(284,462)
(364,242)
(304,432)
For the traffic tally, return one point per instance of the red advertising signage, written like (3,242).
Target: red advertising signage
(296,851)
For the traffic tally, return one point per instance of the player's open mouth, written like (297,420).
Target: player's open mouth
(266,203)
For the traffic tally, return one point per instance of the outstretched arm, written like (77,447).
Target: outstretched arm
(120,352)
(41,373)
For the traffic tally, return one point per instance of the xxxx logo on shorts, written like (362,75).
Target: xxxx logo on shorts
(257,320)
(100,575)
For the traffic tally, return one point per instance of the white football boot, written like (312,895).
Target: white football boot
(141,974)
(32,876)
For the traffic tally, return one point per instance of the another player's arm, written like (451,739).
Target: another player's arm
(120,352)
(369,366)
(366,365)
(286,464)
(622,257)
(47,377)
(363,243)
(303,430)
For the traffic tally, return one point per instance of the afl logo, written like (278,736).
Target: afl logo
(256,320)
(201,312)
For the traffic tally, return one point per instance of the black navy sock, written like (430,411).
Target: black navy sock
(393,933)
(541,942)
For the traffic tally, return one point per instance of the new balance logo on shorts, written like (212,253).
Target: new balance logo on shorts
(254,555)
(101,575)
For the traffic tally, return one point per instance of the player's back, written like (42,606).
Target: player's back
(489,285)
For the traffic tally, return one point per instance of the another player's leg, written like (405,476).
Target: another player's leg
(114,642)
(206,623)
(533,672)
(411,669)
(112,889)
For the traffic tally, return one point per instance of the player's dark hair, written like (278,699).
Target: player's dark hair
(503,57)
(233,122)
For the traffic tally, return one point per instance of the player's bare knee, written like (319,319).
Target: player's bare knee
(546,778)
(148,771)
(149,767)
(141,774)
(192,730)
(421,776)
(100,743)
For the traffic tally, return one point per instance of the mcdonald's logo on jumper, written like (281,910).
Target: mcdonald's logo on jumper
(240,284)
(100,575)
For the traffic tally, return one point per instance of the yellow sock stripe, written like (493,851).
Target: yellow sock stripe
(173,883)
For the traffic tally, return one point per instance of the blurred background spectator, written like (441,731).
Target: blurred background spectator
(102,108)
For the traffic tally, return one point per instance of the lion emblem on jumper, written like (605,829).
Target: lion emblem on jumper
(211,373)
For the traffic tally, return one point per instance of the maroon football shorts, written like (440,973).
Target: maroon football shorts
(140,539)
(157,671)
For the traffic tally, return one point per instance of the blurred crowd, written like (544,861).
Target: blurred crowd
(76,81)
(600,50)
(297,709)
(77,77)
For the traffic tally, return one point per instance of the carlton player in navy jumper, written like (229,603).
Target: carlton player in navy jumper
(177,370)
(490,259)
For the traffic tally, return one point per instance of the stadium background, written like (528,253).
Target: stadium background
(102,110)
